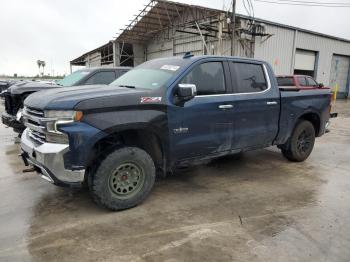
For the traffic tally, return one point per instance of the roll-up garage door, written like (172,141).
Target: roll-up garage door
(305,62)
(340,74)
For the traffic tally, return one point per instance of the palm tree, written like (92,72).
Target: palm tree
(38,62)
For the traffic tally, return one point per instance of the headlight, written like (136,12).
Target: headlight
(19,114)
(55,118)
(64,114)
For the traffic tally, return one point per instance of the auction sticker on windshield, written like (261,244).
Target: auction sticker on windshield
(170,67)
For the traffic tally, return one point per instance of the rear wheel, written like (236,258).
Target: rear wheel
(299,146)
(123,179)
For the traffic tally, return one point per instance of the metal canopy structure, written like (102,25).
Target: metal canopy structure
(163,20)
(161,15)
(105,51)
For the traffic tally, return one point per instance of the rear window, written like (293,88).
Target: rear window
(248,78)
(285,81)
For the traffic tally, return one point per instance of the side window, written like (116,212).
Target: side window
(122,72)
(248,78)
(101,78)
(302,81)
(208,77)
(311,82)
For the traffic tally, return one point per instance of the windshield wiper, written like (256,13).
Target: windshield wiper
(127,86)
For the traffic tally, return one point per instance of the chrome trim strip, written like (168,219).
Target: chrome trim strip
(34,127)
(34,112)
(253,93)
(37,139)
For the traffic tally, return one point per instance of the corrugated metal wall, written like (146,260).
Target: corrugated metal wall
(157,49)
(183,42)
(94,60)
(325,47)
(277,50)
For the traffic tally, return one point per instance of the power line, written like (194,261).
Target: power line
(252,8)
(300,4)
(314,2)
(246,9)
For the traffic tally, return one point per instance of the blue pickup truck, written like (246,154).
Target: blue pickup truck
(165,114)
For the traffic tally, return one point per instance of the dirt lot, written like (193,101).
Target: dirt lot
(257,208)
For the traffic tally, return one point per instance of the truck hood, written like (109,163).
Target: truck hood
(69,97)
(22,88)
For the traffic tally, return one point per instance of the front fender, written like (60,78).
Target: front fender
(83,136)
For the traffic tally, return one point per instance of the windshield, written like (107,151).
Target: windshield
(285,81)
(73,78)
(150,75)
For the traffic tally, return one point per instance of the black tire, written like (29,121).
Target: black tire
(299,146)
(123,179)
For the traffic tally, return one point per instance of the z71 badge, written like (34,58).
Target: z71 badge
(145,100)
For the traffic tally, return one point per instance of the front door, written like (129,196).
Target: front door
(202,126)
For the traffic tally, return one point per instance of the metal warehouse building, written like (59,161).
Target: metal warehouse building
(165,28)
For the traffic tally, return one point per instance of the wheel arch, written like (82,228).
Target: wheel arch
(315,120)
(145,138)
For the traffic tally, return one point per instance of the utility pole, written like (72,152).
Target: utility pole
(233,26)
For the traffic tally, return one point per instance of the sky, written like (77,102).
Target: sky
(59,31)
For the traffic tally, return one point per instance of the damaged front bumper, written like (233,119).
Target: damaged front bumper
(11,121)
(48,160)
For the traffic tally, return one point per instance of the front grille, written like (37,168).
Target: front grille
(37,136)
(33,120)
(34,112)
(8,103)
(12,103)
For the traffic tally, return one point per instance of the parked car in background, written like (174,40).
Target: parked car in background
(16,94)
(303,82)
(4,84)
(298,81)
(165,114)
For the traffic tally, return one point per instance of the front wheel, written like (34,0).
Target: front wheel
(299,146)
(123,179)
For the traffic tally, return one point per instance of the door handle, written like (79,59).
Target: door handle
(270,103)
(225,106)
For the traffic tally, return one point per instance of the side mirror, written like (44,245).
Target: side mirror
(186,91)
(320,85)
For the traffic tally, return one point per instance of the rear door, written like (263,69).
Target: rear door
(256,105)
(203,126)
